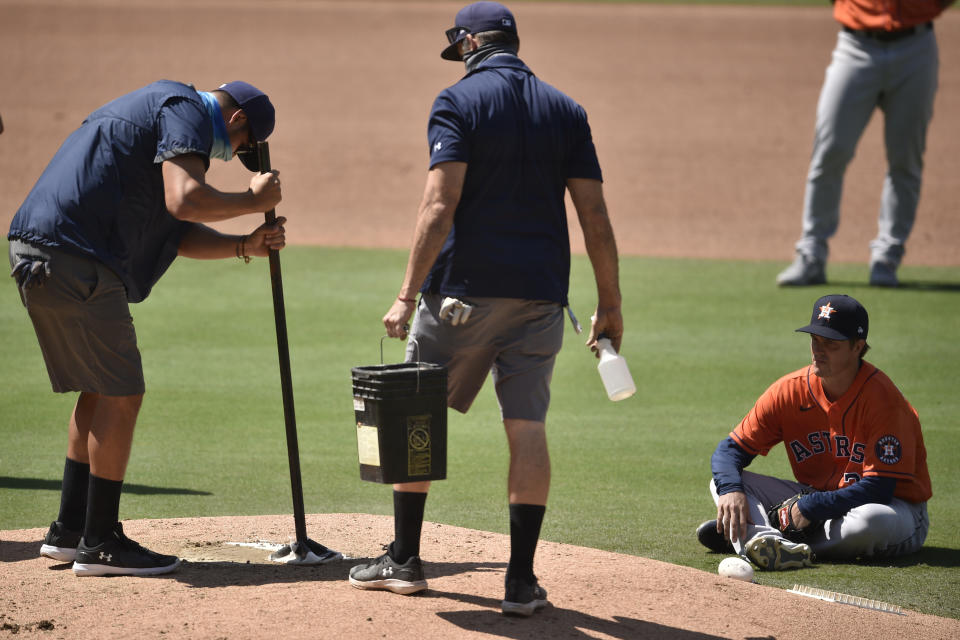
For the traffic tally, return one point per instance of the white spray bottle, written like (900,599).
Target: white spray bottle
(614,372)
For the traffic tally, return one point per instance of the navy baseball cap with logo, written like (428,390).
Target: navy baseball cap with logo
(477,18)
(838,317)
(255,104)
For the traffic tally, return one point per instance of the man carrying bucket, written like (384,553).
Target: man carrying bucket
(491,258)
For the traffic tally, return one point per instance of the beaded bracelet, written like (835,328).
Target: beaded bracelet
(242,251)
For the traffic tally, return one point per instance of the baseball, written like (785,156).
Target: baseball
(737,568)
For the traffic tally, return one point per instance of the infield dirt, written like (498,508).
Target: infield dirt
(226,591)
(703,118)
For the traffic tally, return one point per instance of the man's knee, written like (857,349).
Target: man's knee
(525,431)
(121,410)
(527,440)
(122,402)
(871,527)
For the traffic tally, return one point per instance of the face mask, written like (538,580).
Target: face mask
(222,148)
(472,59)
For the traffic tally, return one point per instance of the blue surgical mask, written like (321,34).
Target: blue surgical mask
(221,141)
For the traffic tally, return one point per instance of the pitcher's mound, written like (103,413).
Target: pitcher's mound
(227,588)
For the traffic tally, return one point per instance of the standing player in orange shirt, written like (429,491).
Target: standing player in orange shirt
(856,451)
(886,58)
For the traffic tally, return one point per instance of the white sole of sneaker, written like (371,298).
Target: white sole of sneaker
(402,587)
(63,554)
(526,609)
(106,570)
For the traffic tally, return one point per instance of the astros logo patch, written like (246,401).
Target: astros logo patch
(826,311)
(888,450)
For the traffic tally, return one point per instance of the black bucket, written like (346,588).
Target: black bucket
(401,416)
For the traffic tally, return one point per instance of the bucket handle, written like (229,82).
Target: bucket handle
(417,345)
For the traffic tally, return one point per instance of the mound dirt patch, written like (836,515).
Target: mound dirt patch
(224,590)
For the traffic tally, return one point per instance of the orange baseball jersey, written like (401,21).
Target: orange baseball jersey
(886,15)
(871,431)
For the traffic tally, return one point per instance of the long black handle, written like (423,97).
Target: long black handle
(286,382)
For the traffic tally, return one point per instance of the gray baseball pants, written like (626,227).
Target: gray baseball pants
(900,78)
(867,531)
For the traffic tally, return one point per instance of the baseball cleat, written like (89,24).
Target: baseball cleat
(775,554)
(384,573)
(804,271)
(709,537)
(523,598)
(60,543)
(118,555)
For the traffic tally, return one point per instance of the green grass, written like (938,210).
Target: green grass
(704,338)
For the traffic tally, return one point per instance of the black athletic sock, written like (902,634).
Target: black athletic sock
(525,521)
(103,509)
(407,523)
(73,495)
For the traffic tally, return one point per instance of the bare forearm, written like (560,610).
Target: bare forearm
(434,221)
(204,203)
(188,197)
(203,243)
(587,196)
(433,227)
(602,251)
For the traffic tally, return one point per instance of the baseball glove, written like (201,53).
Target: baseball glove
(781,517)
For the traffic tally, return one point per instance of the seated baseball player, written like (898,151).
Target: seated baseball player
(856,451)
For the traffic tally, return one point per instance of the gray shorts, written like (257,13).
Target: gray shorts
(83,324)
(515,340)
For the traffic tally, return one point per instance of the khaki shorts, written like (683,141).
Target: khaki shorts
(515,340)
(83,324)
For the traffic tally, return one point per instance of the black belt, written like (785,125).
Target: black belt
(882,35)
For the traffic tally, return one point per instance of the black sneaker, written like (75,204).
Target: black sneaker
(119,555)
(60,543)
(384,573)
(709,537)
(523,598)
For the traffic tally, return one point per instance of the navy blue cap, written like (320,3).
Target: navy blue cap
(255,104)
(838,317)
(477,18)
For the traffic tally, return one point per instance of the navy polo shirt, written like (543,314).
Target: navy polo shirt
(102,193)
(521,139)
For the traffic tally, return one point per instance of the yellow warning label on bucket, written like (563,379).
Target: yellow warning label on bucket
(418,445)
(368,445)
